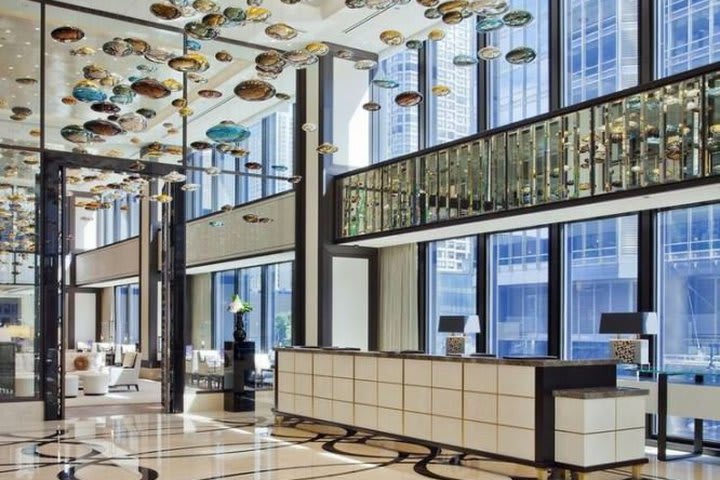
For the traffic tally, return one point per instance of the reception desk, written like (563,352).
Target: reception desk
(496,407)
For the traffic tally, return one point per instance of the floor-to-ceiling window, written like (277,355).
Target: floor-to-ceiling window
(452,286)
(119,222)
(452,112)
(600,260)
(517,292)
(688,297)
(600,47)
(268,289)
(688,35)
(278,318)
(396,128)
(517,92)
(127,314)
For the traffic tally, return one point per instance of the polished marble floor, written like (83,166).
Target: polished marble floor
(152,446)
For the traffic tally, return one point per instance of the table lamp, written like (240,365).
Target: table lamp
(459,325)
(630,351)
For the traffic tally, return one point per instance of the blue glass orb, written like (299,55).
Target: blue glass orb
(488,24)
(193,45)
(228,131)
(89,92)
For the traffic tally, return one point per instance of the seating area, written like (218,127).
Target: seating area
(208,370)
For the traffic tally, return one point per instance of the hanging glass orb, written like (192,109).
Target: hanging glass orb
(88,91)
(228,131)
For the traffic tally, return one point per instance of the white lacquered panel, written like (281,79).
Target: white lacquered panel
(303,384)
(516,411)
(366,392)
(447,403)
(322,408)
(629,412)
(343,366)
(447,430)
(584,415)
(323,387)
(479,377)
(342,412)
(286,361)
(390,370)
(304,405)
(417,399)
(322,364)
(366,416)
(480,436)
(447,374)
(286,402)
(480,407)
(417,425)
(366,368)
(516,380)
(390,421)
(629,444)
(286,382)
(343,389)
(516,442)
(304,362)
(585,450)
(390,395)
(418,372)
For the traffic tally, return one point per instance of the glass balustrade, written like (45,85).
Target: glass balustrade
(664,134)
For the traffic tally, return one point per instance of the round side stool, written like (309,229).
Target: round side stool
(72,385)
(95,384)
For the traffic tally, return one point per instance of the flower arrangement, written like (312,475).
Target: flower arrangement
(237,305)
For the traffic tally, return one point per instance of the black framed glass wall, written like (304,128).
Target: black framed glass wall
(127,314)
(601,268)
(268,289)
(451,286)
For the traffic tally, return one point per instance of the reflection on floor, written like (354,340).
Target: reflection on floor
(224,445)
(149,392)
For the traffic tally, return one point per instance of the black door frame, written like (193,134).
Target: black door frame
(52,287)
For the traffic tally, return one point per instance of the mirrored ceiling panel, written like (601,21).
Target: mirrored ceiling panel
(111,87)
(20,73)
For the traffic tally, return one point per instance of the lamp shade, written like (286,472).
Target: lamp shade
(459,324)
(639,323)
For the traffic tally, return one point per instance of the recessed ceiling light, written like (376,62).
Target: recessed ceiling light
(27,43)
(18,55)
(37,29)
(11,68)
(8,31)
(1,45)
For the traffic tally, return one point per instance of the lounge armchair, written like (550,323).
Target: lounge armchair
(128,375)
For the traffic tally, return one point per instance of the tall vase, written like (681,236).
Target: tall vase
(239,334)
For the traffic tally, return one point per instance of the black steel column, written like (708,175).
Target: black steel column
(555,289)
(298,269)
(646,272)
(422,289)
(325,204)
(555,54)
(153,281)
(481,339)
(646,40)
(51,364)
(175,316)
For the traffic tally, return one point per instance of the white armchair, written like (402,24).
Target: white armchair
(129,374)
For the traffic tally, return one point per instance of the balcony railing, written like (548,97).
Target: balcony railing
(661,133)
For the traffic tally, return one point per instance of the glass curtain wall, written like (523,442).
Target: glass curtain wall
(518,292)
(127,314)
(396,128)
(454,115)
(269,290)
(119,222)
(517,92)
(600,260)
(600,47)
(688,298)
(452,287)
(688,35)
